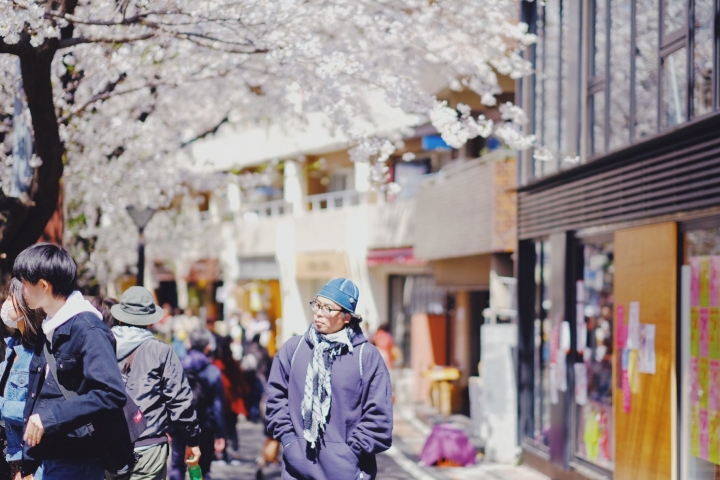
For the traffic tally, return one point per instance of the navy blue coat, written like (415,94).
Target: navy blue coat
(84,350)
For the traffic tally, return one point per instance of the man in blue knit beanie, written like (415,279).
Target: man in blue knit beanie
(329,394)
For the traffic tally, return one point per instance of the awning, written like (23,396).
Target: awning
(393,256)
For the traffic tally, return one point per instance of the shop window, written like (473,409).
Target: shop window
(593,374)
(620,41)
(542,332)
(674,88)
(700,355)
(703,57)
(646,68)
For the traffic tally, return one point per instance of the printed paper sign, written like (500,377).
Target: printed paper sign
(647,348)
(627,394)
(695,332)
(714,280)
(620,327)
(633,372)
(695,430)
(633,340)
(714,380)
(704,334)
(704,281)
(703,374)
(714,333)
(694,281)
(694,381)
(581,385)
(714,437)
(704,434)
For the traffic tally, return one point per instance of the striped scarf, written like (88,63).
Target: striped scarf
(318,388)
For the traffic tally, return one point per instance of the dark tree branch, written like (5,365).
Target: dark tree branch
(211,131)
(71,42)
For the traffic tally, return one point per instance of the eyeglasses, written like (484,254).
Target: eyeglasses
(325,309)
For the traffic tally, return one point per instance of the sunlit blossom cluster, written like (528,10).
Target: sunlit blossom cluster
(151,78)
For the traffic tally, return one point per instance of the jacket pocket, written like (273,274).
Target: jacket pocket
(338,461)
(294,458)
(17,386)
(69,370)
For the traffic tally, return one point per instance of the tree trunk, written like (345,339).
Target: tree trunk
(25,225)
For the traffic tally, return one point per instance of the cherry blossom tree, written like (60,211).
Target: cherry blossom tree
(117,89)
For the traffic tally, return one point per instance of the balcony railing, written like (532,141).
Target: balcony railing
(332,200)
(273,208)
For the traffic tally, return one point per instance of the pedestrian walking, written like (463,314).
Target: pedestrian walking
(74,357)
(385,344)
(14,371)
(329,396)
(155,379)
(207,387)
(234,393)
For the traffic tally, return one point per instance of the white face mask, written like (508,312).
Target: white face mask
(5,315)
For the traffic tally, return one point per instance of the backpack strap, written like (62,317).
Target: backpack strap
(360,360)
(6,374)
(296,350)
(127,365)
(50,358)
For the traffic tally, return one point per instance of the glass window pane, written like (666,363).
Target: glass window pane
(673,15)
(599,37)
(539,84)
(551,127)
(597,123)
(568,146)
(703,57)
(619,91)
(646,68)
(674,94)
(594,419)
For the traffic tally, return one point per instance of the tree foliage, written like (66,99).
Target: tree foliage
(118,89)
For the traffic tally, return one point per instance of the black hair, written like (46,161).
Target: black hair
(33,318)
(49,262)
(103,305)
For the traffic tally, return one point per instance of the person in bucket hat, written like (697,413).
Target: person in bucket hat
(156,381)
(329,394)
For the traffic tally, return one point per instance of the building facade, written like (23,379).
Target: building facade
(618,237)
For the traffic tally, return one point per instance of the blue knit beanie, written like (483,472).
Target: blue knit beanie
(343,292)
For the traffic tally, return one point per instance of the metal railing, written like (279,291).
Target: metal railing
(332,200)
(272,208)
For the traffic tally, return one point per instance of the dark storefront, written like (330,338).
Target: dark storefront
(619,241)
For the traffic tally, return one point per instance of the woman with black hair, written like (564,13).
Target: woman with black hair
(17,315)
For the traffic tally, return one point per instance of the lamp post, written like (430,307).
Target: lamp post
(141,217)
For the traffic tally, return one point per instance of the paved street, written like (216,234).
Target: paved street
(399,463)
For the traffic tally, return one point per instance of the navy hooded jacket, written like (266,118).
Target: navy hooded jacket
(360,421)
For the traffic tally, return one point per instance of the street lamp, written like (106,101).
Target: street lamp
(141,219)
